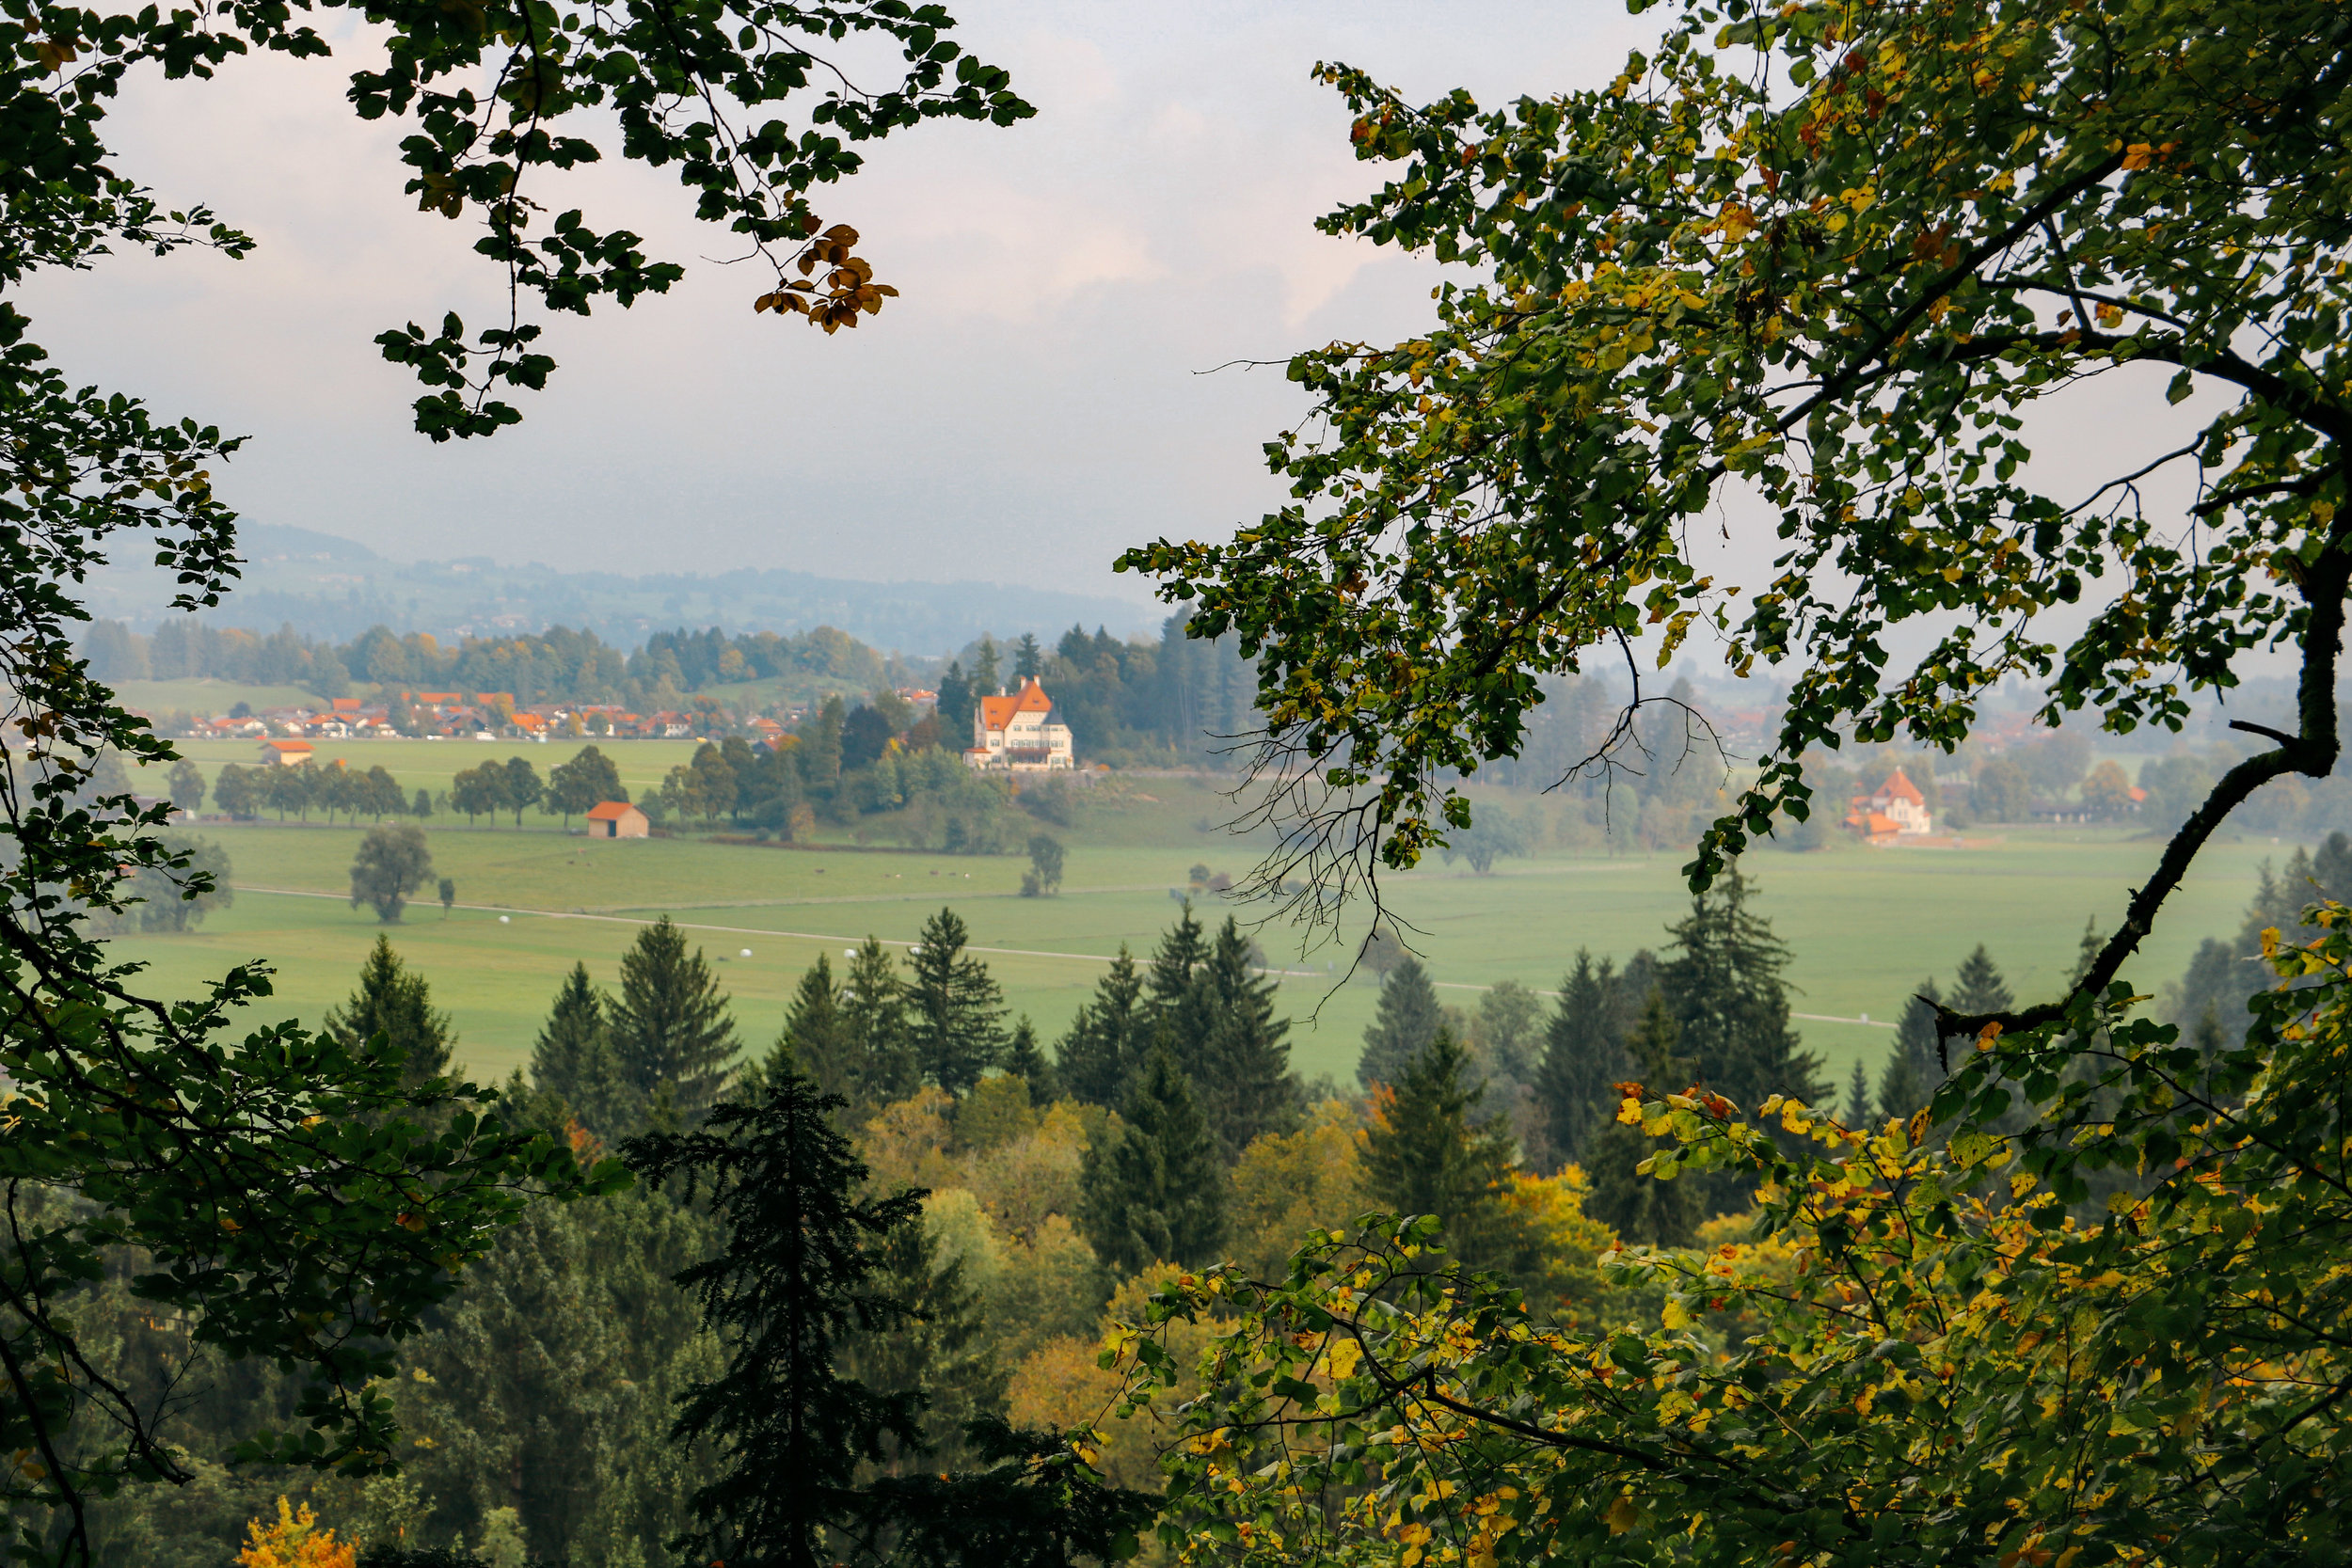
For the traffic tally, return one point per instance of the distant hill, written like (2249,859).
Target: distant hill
(324,586)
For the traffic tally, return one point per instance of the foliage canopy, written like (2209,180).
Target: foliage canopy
(1819,257)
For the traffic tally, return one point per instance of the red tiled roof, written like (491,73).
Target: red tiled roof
(607,811)
(996,712)
(1899,787)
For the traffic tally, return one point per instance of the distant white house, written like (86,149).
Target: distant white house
(1897,810)
(1023,733)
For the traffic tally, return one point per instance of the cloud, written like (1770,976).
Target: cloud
(1032,404)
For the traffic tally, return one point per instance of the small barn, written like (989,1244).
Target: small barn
(286,753)
(615,819)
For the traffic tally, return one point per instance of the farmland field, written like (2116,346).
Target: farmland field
(1864,926)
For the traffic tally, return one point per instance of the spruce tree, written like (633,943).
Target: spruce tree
(1025,1061)
(1405,1020)
(1427,1153)
(1168,987)
(1723,984)
(1106,1043)
(955,1013)
(1240,1066)
(795,1284)
(671,1025)
(1156,1192)
(874,1010)
(1914,1068)
(1637,1207)
(1583,1059)
(394,1002)
(935,1352)
(817,1034)
(574,1057)
(1979,987)
(1857,1113)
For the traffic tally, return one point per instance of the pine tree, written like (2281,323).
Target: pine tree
(394,1002)
(671,1026)
(1858,1096)
(955,1013)
(574,1057)
(1730,1006)
(1168,987)
(795,1283)
(874,1011)
(1583,1059)
(1914,1068)
(1025,1061)
(935,1352)
(817,1034)
(1979,987)
(1156,1192)
(1638,1206)
(1106,1045)
(1426,1153)
(1405,1020)
(1239,1067)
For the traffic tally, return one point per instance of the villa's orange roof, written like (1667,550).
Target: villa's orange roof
(996,712)
(1899,787)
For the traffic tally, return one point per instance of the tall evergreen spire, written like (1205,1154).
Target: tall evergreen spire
(796,1283)
(394,1002)
(1638,1206)
(1239,1064)
(1583,1059)
(574,1057)
(1155,1193)
(816,1038)
(874,1013)
(955,1012)
(1405,1020)
(1914,1068)
(1426,1153)
(671,1025)
(1106,1042)
(1730,1005)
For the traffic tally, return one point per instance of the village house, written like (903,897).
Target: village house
(285,753)
(1023,733)
(1897,810)
(617,820)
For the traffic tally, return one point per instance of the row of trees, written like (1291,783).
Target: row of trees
(556,665)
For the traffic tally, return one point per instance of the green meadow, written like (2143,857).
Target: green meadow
(1864,926)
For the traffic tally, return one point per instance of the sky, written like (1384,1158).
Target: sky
(1033,404)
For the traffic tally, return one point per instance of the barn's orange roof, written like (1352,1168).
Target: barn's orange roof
(996,712)
(607,811)
(289,746)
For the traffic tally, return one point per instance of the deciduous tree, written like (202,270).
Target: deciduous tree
(393,861)
(1827,258)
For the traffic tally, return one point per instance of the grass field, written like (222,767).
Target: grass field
(1864,926)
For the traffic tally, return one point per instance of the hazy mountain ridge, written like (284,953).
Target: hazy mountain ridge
(326,586)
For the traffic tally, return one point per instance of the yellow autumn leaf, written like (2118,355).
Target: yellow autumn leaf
(1622,1516)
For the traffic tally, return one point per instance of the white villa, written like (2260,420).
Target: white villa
(1896,809)
(1023,733)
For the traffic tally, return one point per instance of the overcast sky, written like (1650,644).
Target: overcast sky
(1031,405)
